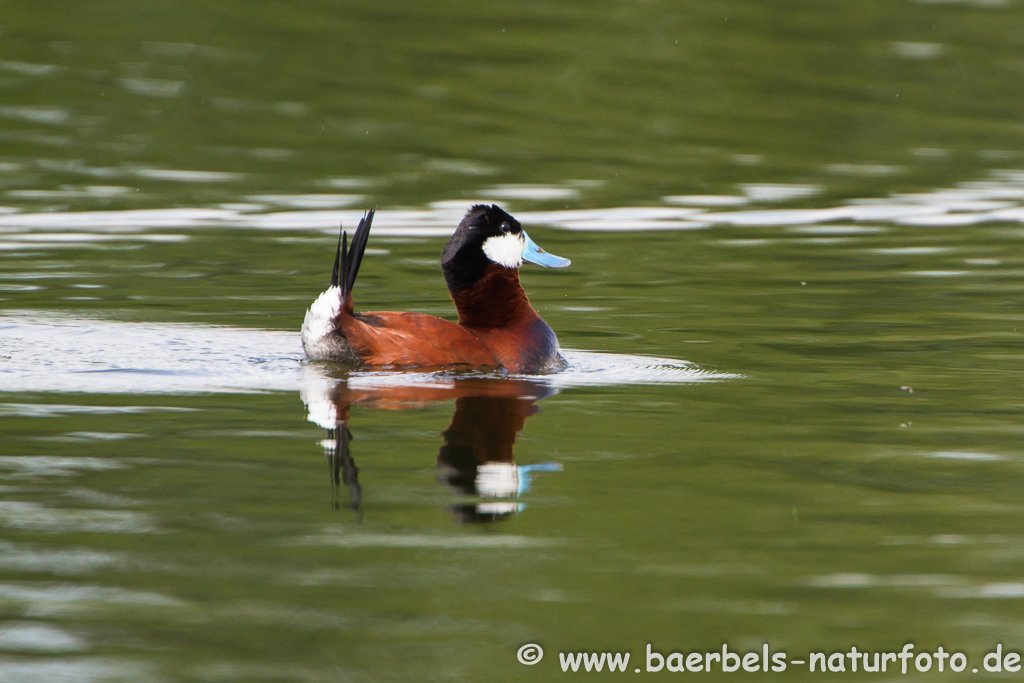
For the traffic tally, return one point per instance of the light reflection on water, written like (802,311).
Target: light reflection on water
(36,517)
(62,353)
(996,200)
(33,637)
(85,669)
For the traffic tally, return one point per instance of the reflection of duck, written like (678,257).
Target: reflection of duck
(476,457)
(497,326)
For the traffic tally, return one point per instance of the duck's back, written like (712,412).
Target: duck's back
(403,339)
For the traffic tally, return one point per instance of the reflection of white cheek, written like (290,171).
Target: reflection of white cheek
(497,480)
(506,250)
(502,508)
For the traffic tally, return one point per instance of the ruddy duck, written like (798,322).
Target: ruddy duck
(497,326)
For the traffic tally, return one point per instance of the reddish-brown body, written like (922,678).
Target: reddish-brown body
(497,327)
(400,339)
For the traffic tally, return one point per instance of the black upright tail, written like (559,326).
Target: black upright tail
(346,261)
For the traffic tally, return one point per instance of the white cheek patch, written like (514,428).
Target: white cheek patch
(506,250)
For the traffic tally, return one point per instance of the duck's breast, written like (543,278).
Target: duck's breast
(529,346)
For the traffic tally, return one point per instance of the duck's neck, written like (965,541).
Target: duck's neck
(495,300)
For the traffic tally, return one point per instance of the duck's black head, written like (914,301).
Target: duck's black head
(487,237)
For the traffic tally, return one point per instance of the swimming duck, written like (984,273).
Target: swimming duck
(497,326)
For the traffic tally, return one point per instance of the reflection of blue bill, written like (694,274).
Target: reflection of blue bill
(505,480)
(525,472)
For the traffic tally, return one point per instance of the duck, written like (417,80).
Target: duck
(497,327)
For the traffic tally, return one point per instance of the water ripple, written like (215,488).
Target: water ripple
(35,637)
(60,560)
(998,198)
(51,352)
(48,352)
(36,517)
(48,599)
(53,465)
(75,670)
(333,537)
(58,410)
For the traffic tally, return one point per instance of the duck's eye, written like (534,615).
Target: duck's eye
(505,227)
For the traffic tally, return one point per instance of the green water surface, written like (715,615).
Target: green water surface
(858,484)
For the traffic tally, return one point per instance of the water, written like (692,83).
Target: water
(792,410)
